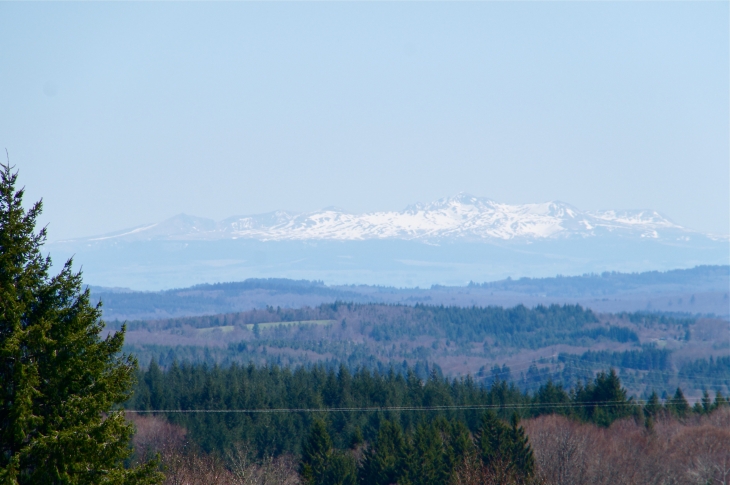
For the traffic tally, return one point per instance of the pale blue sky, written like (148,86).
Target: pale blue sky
(119,114)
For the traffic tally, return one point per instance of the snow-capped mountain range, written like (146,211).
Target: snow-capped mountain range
(462,217)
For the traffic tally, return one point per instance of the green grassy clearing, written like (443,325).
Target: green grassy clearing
(224,329)
(263,326)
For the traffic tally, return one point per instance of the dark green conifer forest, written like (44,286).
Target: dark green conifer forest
(274,408)
(368,427)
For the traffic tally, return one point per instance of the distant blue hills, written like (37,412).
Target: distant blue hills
(702,290)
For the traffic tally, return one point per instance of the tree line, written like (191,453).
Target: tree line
(436,452)
(401,398)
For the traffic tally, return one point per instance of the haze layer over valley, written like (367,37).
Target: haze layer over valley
(450,241)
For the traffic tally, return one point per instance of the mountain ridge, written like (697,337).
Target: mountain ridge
(461,217)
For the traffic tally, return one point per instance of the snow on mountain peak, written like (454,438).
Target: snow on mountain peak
(461,217)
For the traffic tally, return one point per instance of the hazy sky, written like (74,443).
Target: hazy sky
(120,114)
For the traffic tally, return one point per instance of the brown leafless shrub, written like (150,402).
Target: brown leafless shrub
(195,468)
(270,471)
(200,469)
(696,451)
(703,450)
(560,447)
(154,435)
(471,471)
(184,464)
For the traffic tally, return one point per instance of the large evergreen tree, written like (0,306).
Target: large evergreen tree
(604,400)
(321,465)
(430,457)
(59,378)
(504,450)
(679,405)
(387,461)
(315,454)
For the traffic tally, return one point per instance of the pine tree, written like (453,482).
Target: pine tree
(60,381)
(315,454)
(653,406)
(430,465)
(521,452)
(720,401)
(492,441)
(505,451)
(387,461)
(341,469)
(605,400)
(321,465)
(548,395)
(679,405)
(706,402)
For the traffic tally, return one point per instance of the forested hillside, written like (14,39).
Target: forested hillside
(527,346)
(702,290)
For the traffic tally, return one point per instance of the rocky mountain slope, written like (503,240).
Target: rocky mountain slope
(462,217)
